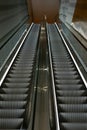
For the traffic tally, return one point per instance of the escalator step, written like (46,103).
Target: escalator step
(22,68)
(19,75)
(11,129)
(72,100)
(60,56)
(15,80)
(62,63)
(63,66)
(24,55)
(70,87)
(73,126)
(16,85)
(72,108)
(66,72)
(11,113)
(13,97)
(63,69)
(24,64)
(71,93)
(73,117)
(10,123)
(15,91)
(20,62)
(67,61)
(12,104)
(68,81)
(27,71)
(64,76)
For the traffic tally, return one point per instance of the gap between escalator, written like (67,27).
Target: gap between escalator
(41,119)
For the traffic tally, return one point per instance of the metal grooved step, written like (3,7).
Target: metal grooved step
(15,89)
(70,89)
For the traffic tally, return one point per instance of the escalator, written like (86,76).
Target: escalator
(46,76)
(71,95)
(16,88)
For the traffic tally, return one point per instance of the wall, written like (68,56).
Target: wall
(12,13)
(67,8)
(44,10)
(74,12)
(80,11)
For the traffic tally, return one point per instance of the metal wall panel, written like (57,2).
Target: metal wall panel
(67,8)
(12,13)
(44,10)
(80,11)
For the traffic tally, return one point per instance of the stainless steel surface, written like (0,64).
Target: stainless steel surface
(53,84)
(41,121)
